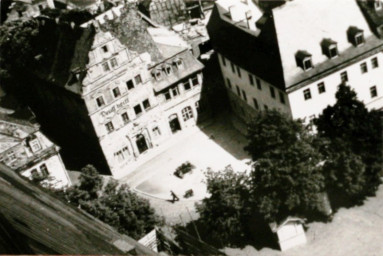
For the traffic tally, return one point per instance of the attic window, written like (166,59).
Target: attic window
(168,69)
(178,63)
(329,48)
(303,60)
(157,74)
(355,36)
(104,49)
(34,145)
(378,5)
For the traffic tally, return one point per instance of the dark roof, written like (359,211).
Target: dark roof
(62,50)
(259,55)
(131,30)
(38,223)
(374,17)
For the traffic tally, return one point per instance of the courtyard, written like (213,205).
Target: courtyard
(213,146)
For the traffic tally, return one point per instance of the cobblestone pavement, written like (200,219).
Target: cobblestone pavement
(357,231)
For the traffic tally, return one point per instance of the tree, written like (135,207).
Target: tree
(227,211)
(352,129)
(113,204)
(286,178)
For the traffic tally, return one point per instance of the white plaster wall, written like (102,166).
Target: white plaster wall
(361,83)
(262,96)
(56,170)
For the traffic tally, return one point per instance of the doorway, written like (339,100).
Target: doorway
(141,144)
(174,123)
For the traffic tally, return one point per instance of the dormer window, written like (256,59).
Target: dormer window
(104,49)
(157,74)
(378,5)
(168,69)
(303,60)
(34,144)
(178,63)
(355,36)
(329,48)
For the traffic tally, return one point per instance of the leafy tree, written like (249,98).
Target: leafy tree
(286,177)
(227,211)
(351,128)
(113,204)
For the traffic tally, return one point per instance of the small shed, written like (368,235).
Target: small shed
(290,232)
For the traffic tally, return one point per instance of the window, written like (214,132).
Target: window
(195,81)
(100,101)
(116,92)
(272,92)
(197,107)
(374,62)
(168,70)
(239,71)
(130,84)
(307,94)
(343,77)
(355,36)
(238,91)
(11,156)
(104,48)
(156,131)
(157,74)
(137,109)
(44,170)
(223,60)
(167,95)
(109,127)
(373,92)
(303,60)
(321,88)
(119,155)
(378,5)
(113,63)
(251,79)
(125,118)
(329,48)
(187,113)
(232,67)
(255,102)
(187,86)
(137,79)
(259,85)
(175,91)
(178,63)
(146,104)
(35,145)
(105,66)
(281,98)
(363,68)
(244,95)
(228,83)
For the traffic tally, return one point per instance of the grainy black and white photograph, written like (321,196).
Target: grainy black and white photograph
(191,127)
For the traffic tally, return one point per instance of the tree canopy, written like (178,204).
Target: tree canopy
(113,204)
(354,158)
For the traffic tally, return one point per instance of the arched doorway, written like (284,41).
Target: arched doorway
(174,123)
(142,146)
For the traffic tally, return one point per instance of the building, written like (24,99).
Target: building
(25,149)
(122,87)
(292,55)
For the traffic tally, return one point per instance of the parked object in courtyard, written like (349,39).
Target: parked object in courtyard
(174,196)
(188,193)
(183,169)
(290,232)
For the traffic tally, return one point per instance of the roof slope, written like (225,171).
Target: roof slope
(259,55)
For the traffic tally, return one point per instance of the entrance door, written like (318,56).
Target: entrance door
(141,143)
(174,123)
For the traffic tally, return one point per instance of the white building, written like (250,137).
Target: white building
(27,151)
(293,56)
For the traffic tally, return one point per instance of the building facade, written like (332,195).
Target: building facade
(292,56)
(131,85)
(28,152)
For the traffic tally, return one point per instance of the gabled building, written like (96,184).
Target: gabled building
(120,85)
(292,55)
(27,151)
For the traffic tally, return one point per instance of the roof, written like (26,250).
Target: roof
(276,227)
(374,17)
(259,56)
(190,66)
(270,53)
(46,225)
